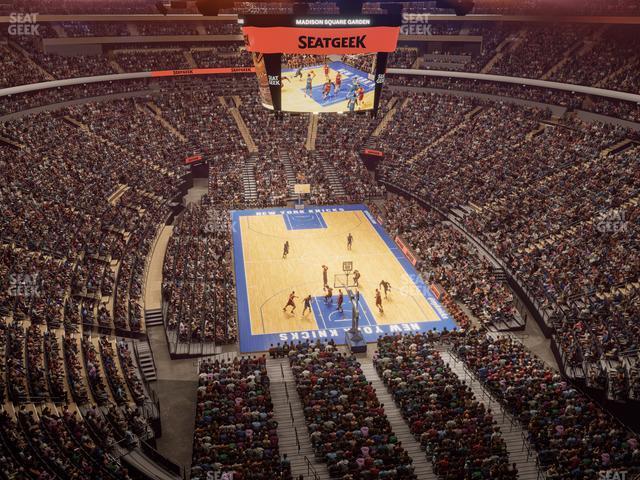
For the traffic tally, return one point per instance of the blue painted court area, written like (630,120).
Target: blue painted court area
(328,316)
(304,220)
(350,76)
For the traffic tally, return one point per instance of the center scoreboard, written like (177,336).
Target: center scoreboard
(321,63)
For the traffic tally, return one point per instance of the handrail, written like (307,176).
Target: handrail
(310,469)
(295,429)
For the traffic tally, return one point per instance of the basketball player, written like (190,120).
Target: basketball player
(326,90)
(349,241)
(298,73)
(325,274)
(338,83)
(328,298)
(326,71)
(307,304)
(309,88)
(356,278)
(360,94)
(351,104)
(340,300)
(386,286)
(291,303)
(285,250)
(379,301)
(354,88)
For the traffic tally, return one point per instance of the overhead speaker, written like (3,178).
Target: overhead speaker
(210,8)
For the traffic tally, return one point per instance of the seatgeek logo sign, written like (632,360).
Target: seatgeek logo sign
(349,40)
(307,42)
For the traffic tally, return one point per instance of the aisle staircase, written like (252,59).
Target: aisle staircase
(153,317)
(145,360)
(249,178)
(330,174)
(289,173)
(508,44)
(422,467)
(293,438)
(244,130)
(393,108)
(189,58)
(520,451)
(312,132)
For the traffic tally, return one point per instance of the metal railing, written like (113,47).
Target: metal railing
(311,472)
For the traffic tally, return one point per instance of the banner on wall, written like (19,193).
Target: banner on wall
(407,252)
(202,71)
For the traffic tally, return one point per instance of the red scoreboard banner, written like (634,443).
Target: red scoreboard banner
(340,41)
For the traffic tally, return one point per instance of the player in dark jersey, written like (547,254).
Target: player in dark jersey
(349,241)
(290,302)
(356,278)
(285,250)
(328,297)
(379,301)
(386,286)
(325,274)
(307,304)
(340,300)
(298,73)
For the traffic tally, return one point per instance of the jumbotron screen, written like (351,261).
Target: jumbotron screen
(321,64)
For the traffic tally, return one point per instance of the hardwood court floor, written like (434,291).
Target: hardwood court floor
(270,278)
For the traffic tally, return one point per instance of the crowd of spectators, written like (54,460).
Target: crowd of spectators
(235,429)
(458,432)
(573,436)
(445,257)
(198,278)
(548,223)
(346,422)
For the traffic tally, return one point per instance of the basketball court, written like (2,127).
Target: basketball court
(294,98)
(318,236)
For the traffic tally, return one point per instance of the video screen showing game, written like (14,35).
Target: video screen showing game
(327,83)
